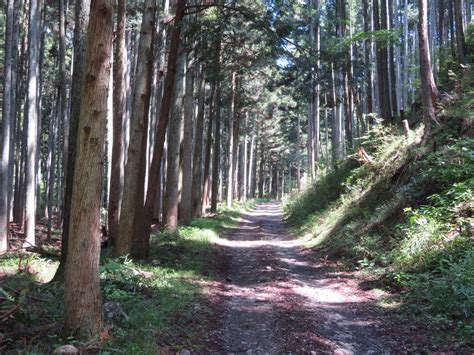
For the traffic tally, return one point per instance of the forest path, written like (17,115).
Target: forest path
(275,299)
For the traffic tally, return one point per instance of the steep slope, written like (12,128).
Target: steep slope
(404,215)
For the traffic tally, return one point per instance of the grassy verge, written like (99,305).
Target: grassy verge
(406,221)
(162,299)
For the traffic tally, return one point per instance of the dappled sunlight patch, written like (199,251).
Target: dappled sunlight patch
(39,268)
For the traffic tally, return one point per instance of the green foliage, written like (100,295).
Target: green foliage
(319,196)
(408,218)
(469,37)
(162,298)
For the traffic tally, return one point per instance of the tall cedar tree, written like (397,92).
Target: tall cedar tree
(429,91)
(119,101)
(134,179)
(163,119)
(81,23)
(5,134)
(83,305)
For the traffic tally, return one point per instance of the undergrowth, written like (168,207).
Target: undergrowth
(162,300)
(407,218)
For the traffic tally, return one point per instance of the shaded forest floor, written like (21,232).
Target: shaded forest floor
(152,306)
(237,282)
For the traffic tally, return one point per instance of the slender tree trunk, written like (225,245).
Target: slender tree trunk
(460,42)
(186,193)
(63,103)
(230,144)
(50,164)
(134,174)
(298,154)
(392,63)
(380,22)
(198,151)
(174,143)
(243,164)
(406,56)
(261,173)
(32,120)
(83,310)
(451,27)
(207,153)
(367,45)
(428,86)
(250,172)
(441,17)
(145,220)
(217,142)
(81,20)
(119,111)
(6,147)
(13,103)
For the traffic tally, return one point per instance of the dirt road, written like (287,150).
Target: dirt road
(275,299)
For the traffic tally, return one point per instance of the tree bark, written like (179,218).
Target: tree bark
(186,193)
(174,144)
(428,87)
(217,143)
(119,111)
(134,174)
(145,220)
(198,151)
(81,20)
(63,102)
(6,147)
(230,143)
(460,42)
(32,120)
(82,306)
(367,44)
(392,63)
(207,152)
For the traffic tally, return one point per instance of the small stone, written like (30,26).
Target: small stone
(185,352)
(66,349)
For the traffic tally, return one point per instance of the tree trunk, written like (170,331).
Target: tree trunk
(460,42)
(298,154)
(428,86)
(405,57)
(185,213)
(134,174)
(174,144)
(198,151)
(251,170)
(145,220)
(207,153)
(32,120)
(452,34)
(367,44)
(82,306)
(81,20)
(217,142)
(6,129)
(230,142)
(63,102)
(392,63)
(380,22)
(119,111)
